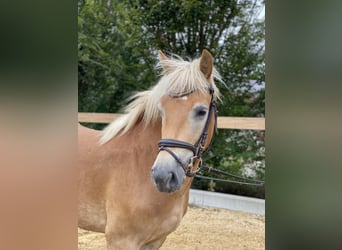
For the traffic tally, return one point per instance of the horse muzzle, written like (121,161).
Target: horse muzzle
(167,175)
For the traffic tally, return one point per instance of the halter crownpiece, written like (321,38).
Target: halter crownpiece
(199,147)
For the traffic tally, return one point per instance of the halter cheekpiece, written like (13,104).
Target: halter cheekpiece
(197,148)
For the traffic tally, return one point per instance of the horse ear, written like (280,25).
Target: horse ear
(206,63)
(165,62)
(161,55)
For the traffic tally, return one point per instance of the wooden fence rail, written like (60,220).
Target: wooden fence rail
(225,122)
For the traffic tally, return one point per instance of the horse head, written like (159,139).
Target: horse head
(188,114)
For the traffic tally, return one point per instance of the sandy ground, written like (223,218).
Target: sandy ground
(202,228)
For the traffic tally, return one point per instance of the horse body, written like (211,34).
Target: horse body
(131,190)
(135,217)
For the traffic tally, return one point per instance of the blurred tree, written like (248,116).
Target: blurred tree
(111,64)
(118,43)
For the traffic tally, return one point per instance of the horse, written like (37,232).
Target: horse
(135,175)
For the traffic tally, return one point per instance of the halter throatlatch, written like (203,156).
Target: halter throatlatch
(198,148)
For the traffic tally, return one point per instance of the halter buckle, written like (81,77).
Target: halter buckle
(190,171)
(191,162)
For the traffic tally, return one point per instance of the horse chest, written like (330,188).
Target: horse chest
(157,226)
(166,219)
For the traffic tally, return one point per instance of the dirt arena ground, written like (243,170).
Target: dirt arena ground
(202,228)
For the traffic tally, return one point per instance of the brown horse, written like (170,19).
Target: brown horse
(131,189)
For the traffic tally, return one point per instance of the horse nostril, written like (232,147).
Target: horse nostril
(173,180)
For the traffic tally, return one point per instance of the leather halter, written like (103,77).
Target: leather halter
(199,147)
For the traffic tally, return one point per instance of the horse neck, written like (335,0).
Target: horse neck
(142,136)
(142,140)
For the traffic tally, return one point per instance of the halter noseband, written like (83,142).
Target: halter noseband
(198,147)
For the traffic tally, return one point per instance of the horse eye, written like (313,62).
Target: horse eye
(201,113)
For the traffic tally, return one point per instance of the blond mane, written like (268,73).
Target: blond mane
(178,76)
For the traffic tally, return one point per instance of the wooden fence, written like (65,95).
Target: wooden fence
(225,122)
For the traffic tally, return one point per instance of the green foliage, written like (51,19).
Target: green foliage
(118,44)
(111,65)
(240,152)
